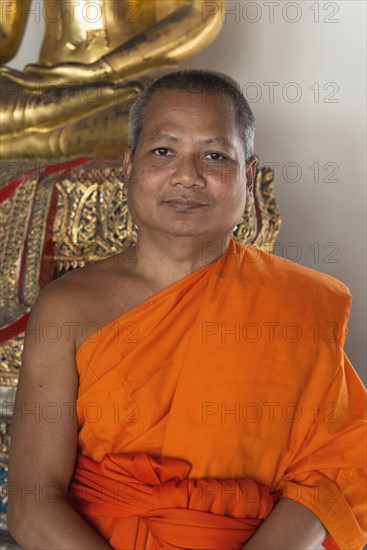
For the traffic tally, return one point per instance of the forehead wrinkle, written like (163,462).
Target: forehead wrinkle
(162,135)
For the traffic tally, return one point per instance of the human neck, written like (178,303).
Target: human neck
(165,262)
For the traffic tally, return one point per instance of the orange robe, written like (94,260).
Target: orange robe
(224,391)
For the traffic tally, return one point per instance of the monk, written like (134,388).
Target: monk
(190,392)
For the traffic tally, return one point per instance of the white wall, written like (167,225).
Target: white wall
(318,215)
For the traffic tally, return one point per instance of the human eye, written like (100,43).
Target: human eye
(160,151)
(216,156)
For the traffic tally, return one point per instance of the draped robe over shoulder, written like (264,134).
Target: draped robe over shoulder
(207,402)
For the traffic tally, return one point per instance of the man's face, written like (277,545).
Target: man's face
(189,151)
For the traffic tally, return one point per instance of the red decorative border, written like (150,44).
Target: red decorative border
(15,328)
(46,269)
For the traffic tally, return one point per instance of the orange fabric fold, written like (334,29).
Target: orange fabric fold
(214,514)
(239,370)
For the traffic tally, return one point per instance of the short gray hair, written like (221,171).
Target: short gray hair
(197,82)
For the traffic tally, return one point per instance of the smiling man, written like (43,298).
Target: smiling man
(210,412)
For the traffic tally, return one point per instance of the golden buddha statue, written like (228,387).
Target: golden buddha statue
(95,59)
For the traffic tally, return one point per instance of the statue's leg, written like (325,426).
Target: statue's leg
(101,133)
(47,108)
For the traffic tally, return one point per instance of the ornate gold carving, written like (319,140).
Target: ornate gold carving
(4,452)
(10,361)
(92,220)
(36,240)
(261,220)
(15,214)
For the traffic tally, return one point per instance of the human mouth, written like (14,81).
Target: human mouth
(181,204)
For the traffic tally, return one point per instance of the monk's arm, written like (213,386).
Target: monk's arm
(289,526)
(44,435)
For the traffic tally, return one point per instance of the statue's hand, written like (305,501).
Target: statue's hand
(64,73)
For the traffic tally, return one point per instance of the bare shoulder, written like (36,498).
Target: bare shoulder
(82,299)
(59,300)
(75,289)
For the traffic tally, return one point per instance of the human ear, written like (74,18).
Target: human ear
(127,166)
(251,167)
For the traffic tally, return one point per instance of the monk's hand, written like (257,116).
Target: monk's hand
(65,73)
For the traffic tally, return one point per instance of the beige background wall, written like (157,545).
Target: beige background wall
(302,67)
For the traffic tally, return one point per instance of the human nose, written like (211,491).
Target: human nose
(188,172)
